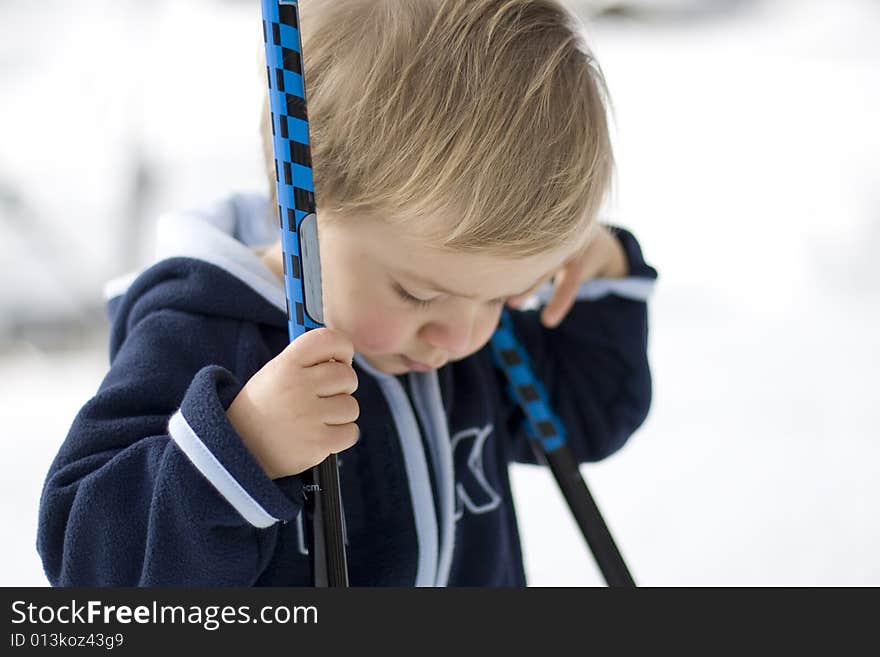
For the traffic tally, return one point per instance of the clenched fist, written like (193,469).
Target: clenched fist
(298,409)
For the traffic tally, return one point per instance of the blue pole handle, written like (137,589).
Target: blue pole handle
(294,183)
(542,424)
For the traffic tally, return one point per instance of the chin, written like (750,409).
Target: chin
(382,364)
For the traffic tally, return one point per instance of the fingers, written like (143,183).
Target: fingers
(595,256)
(520,299)
(320,346)
(337,410)
(332,439)
(567,283)
(586,265)
(333,378)
(340,438)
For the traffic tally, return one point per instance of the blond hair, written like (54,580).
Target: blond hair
(488,113)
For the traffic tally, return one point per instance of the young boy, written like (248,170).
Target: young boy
(460,154)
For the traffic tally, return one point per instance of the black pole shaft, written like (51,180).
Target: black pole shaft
(565,469)
(325,521)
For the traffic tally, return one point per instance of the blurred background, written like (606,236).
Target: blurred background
(748,151)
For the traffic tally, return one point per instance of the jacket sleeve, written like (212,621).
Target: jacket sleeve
(594,365)
(152,485)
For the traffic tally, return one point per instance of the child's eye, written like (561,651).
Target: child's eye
(424,303)
(406,296)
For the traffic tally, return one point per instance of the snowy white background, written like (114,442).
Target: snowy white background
(749,167)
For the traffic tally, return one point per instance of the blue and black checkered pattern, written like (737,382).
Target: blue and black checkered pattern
(290,140)
(525,388)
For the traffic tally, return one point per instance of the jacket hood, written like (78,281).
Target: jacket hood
(191,245)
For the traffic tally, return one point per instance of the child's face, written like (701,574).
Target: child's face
(376,277)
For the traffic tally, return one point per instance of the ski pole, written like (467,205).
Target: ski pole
(548,441)
(302,264)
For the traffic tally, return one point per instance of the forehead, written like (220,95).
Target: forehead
(414,259)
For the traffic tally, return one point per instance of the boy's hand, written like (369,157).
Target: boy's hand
(603,257)
(298,408)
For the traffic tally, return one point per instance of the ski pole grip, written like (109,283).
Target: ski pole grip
(294,183)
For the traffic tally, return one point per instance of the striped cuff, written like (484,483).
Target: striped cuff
(636,289)
(202,431)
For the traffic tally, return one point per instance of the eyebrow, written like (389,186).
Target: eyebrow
(439,288)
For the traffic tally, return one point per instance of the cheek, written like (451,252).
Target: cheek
(486,329)
(377,332)
(483,332)
(354,308)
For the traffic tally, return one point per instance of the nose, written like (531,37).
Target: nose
(453,337)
